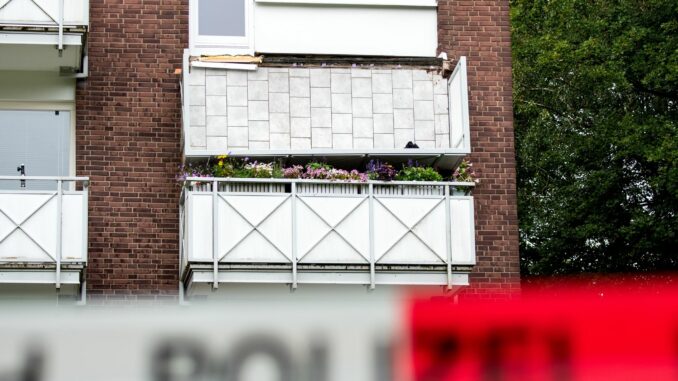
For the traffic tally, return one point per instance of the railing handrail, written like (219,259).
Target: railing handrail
(45,178)
(317,181)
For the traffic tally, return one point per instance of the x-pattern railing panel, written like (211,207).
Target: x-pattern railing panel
(410,230)
(333,228)
(42,10)
(19,226)
(254,227)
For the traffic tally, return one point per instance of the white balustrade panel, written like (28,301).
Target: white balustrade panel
(199,216)
(44,12)
(410,230)
(327,228)
(254,228)
(333,230)
(29,227)
(462,230)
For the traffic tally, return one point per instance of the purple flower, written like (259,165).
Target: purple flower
(377,170)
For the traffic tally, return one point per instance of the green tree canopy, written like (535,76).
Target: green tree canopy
(596,114)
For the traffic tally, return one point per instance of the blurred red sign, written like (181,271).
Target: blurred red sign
(567,336)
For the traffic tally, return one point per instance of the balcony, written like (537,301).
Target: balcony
(283,231)
(278,108)
(43,232)
(43,35)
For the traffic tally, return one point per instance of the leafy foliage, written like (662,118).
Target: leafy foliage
(418,174)
(596,114)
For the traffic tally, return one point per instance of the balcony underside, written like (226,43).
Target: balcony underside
(38,52)
(199,277)
(40,273)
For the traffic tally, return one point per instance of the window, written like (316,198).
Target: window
(40,140)
(220,26)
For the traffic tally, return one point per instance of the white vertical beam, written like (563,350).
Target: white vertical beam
(215,234)
(448,236)
(61,27)
(371,212)
(57,255)
(85,217)
(294,235)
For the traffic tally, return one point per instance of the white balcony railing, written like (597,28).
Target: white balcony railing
(319,231)
(66,14)
(43,233)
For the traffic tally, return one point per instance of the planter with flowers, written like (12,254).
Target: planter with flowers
(322,178)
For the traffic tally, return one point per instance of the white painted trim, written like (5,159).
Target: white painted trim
(25,276)
(438,278)
(460,74)
(212,45)
(405,152)
(48,106)
(358,3)
(39,39)
(185,100)
(224,65)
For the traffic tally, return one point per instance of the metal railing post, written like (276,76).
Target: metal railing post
(61,27)
(294,235)
(371,212)
(448,236)
(85,225)
(215,234)
(58,242)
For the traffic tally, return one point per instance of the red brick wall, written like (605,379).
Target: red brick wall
(128,135)
(480,30)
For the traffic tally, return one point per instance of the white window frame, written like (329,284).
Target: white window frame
(215,45)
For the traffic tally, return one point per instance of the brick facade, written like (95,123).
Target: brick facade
(128,143)
(481,31)
(129,128)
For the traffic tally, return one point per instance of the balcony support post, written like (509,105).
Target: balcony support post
(448,237)
(294,235)
(57,255)
(215,234)
(371,212)
(85,212)
(61,27)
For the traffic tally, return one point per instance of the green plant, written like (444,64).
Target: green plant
(224,167)
(418,174)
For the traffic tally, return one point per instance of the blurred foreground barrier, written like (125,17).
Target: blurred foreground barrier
(343,333)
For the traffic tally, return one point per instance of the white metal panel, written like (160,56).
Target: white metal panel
(44,12)
(458,108)
(431,230)
(29,227)
(38,277)
(332,248)
(19,206)
(338,29)
(387,230)
(42,228)
(200,226)
(463,234)
(73,228)
(254,228)
(324,231)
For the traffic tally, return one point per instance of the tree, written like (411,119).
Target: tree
(596,118)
